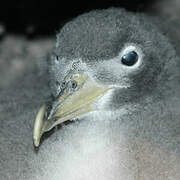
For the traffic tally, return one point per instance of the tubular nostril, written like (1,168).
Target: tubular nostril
(73,84)
(63,84)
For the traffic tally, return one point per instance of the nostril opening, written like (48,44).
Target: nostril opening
(63,84)
(74,84)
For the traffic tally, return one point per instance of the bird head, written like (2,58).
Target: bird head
(103,60)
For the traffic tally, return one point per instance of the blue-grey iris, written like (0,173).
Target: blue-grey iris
(130,58)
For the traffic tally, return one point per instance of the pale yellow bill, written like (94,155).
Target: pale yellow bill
(38,123)
(71,105)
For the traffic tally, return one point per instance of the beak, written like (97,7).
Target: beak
(76,98)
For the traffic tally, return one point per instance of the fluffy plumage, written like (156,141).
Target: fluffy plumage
(117,141)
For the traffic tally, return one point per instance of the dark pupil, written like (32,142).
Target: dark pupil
(130,58)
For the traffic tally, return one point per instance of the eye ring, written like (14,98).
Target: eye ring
(130,58)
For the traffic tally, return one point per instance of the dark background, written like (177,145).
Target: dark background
(40,17)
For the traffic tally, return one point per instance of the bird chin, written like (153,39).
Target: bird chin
(70,104)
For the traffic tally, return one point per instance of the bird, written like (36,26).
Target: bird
(108,99)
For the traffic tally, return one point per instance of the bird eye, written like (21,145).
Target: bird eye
(130,58)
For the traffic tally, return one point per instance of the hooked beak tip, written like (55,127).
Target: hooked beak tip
(36,142)
(38,123)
